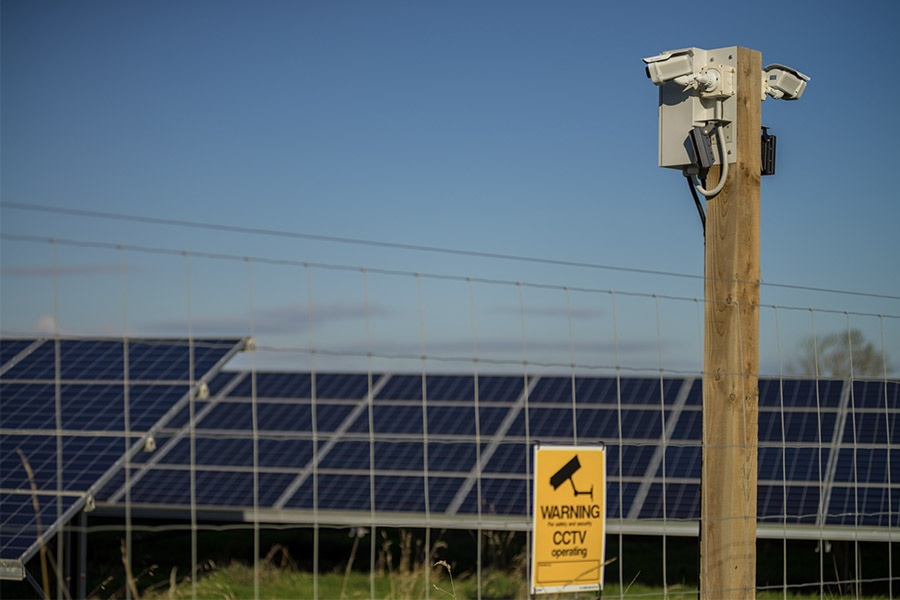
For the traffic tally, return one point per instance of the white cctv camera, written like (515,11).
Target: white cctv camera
(688,68)
(670,65)
(783,82)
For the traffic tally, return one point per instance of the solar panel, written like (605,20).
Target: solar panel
(788,504)
(863,487)
(63,403)
(651,427)
(10,349)
(443,445)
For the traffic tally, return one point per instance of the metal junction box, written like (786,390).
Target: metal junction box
(683,106)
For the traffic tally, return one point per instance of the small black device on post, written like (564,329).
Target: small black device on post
(767,147)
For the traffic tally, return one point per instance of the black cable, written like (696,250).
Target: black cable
(697,202)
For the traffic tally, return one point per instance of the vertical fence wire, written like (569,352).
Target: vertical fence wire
(621,453)
(314,425)
(784,477)
(823,500)
(57,393)
(855,431)
(371,416)
(888,451)
(572,362)
(130,585)
(664,444)
(477,401)
(425,466)
(192,430)
(526,409)
(254,425)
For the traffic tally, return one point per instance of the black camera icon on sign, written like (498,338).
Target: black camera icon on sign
(565,473)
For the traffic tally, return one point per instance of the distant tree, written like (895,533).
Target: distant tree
(836,353)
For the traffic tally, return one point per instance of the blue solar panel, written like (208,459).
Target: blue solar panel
(237,452)
(868,465)
(213,488)
(443,457)
(554,390)
(82,462)
(500,496)
(20,521)
(878,395)
(798,426)
(393,493)
(391,418)
(793,464)
(335,492)
(865,506)
(424,433)
(545,423)
(11,348)
(605,390)
(800,393)
(451,456)
(787,503)
(636,424)
(54,391)
(91,360)
(335,386)
(682,462)
(19,412)
(616,507)
(510,458)
(635,459)
(873,428)
(690,425)
(403,387)
(681,501)
(86,406)
(460,420)
(452,387)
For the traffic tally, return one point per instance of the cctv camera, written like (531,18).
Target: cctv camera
(784,82)
(687,67)
(670,65)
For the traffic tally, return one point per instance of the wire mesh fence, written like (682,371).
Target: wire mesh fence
(366,431)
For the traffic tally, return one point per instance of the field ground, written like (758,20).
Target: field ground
(162,556)
(237,581)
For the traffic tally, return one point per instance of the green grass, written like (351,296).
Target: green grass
(237,581)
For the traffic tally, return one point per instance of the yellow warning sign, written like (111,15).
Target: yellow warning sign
(569,542)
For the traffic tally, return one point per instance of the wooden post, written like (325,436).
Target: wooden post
(731,357)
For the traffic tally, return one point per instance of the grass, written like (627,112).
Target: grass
(402,564)
(237,581)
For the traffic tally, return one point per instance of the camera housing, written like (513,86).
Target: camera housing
(782,82)
(669,65)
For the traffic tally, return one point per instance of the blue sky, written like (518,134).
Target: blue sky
(517,128)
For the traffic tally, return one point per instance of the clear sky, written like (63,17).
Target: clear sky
(526,129)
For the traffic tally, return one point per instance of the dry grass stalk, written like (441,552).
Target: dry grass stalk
(452,593)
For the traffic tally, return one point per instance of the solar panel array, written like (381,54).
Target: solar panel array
(456,448)
(72,409)
(425,449)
